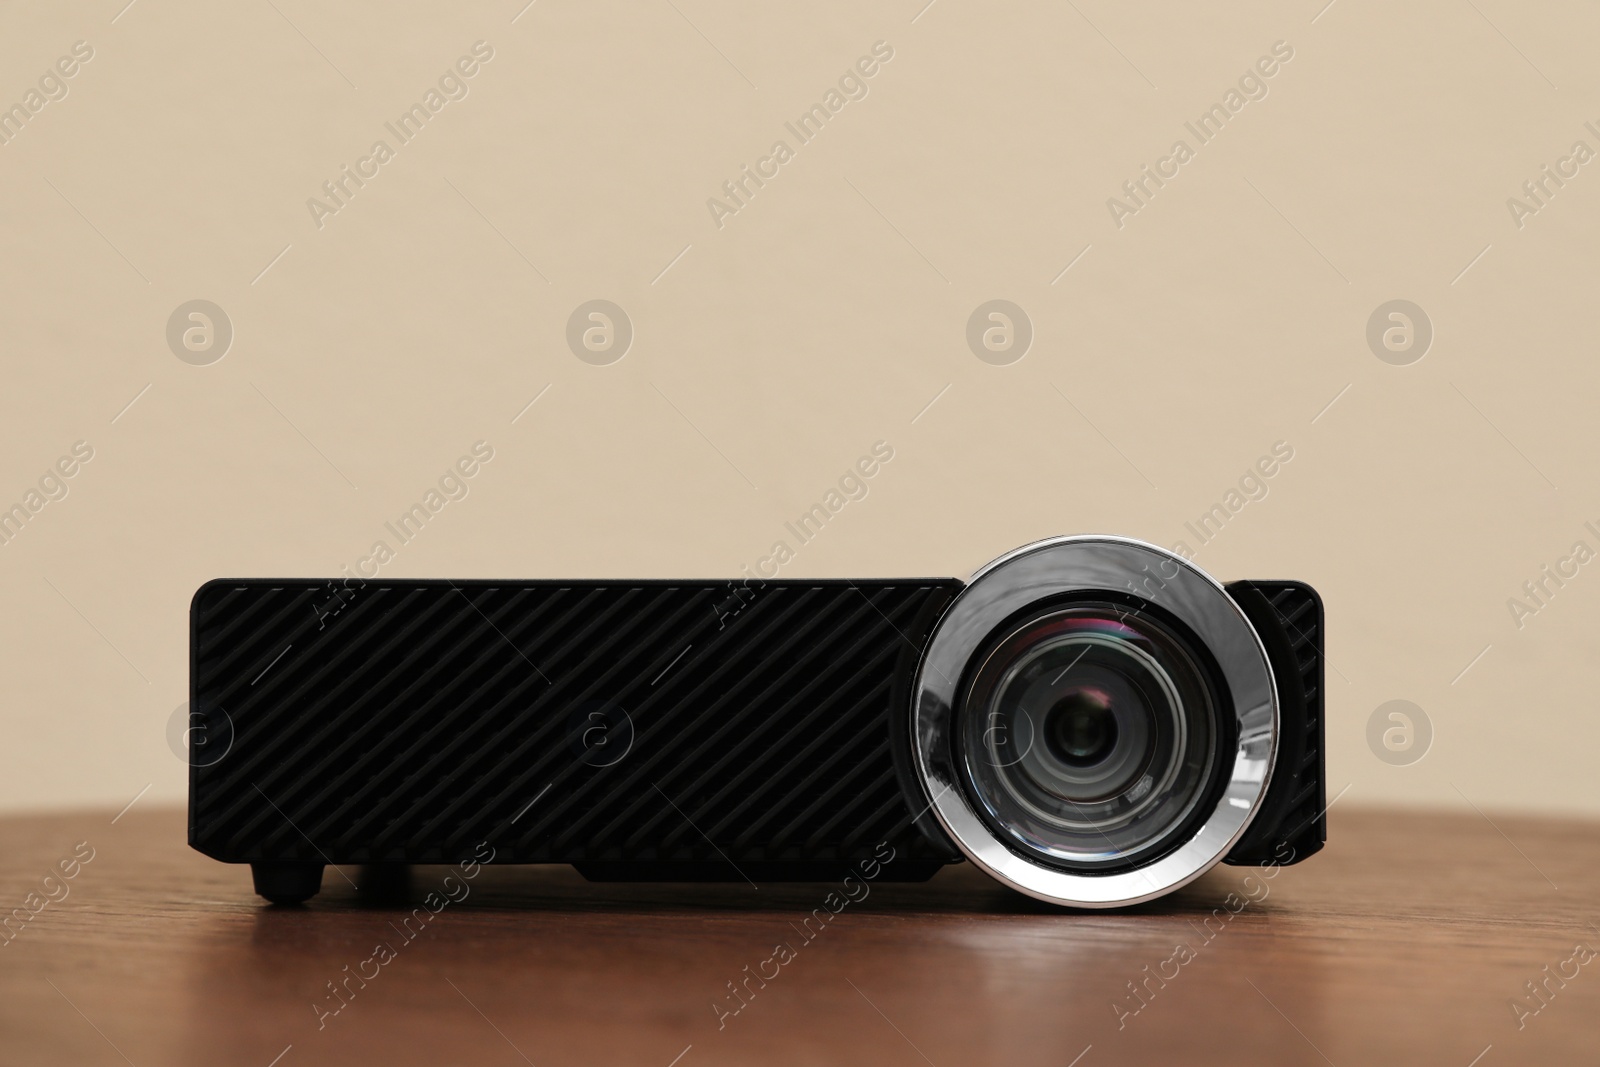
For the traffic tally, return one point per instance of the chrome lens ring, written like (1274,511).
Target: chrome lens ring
(1088,566)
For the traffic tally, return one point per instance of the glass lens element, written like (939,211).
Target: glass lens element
(1088,735)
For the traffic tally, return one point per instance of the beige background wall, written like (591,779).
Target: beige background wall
(1223,317)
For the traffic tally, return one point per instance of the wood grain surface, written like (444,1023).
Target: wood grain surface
(1410,940)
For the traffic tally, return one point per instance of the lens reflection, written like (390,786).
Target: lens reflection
(1089,734)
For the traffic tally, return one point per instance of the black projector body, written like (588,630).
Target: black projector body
(758,730)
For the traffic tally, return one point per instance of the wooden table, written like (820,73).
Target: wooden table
(1406,942)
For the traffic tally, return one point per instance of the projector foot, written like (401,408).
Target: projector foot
(287,882)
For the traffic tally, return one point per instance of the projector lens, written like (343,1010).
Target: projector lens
(1089,734)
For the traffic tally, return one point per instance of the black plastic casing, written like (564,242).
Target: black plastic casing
(651,730)
(1292,823)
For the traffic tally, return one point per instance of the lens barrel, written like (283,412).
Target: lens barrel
(1094,721)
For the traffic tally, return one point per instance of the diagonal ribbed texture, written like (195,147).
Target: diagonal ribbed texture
(1301,616)
(599,722)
